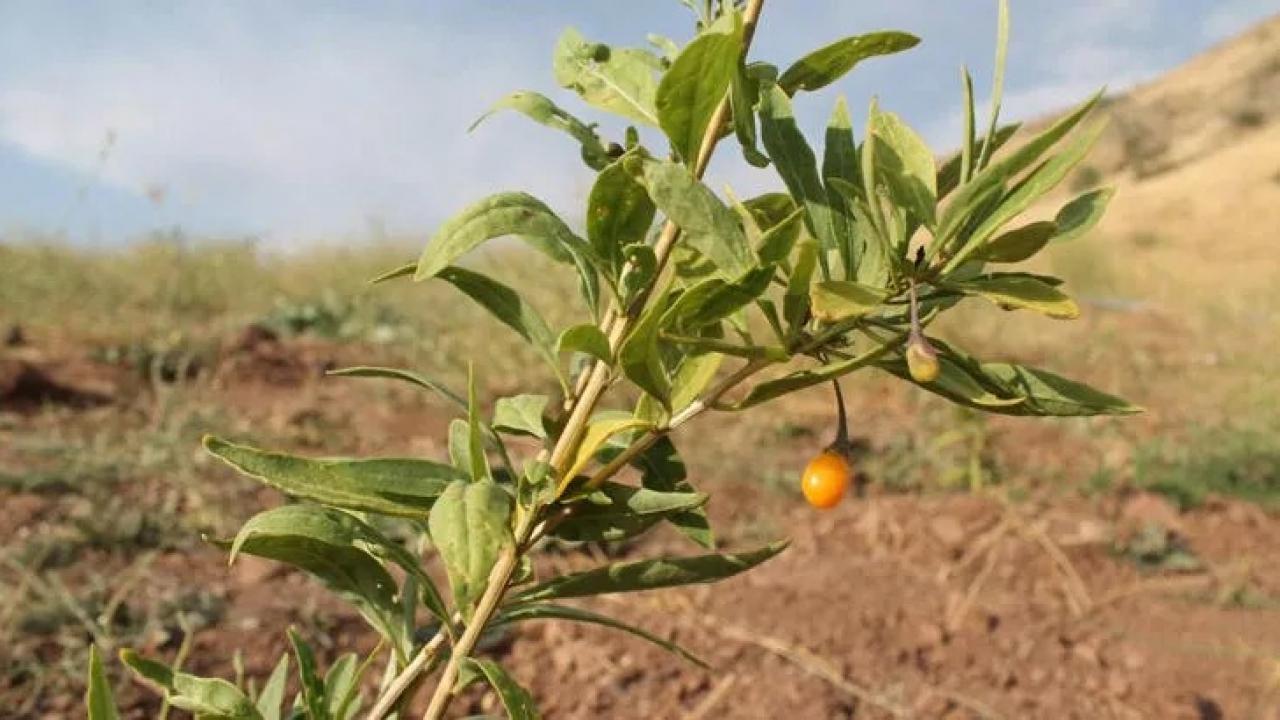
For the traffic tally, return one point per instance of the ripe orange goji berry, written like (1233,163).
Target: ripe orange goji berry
(825,479)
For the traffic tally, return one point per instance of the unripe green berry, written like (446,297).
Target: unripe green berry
(922,360)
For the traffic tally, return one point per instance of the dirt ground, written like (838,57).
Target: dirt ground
(935,605)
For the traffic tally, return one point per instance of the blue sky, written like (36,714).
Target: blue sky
(302,121)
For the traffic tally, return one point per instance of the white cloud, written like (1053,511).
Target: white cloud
(308,132)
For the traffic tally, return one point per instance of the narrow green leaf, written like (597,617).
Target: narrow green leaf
(744,93)
(1050,394)
(840,160)
(211,698)
(479,463)
(597,433)
(1080,215)
(708,225)
(617,80)
(639,358)
(662,469)
(969,141)
(99,702)
(400,487)
(1042,180)
(587,339)
(1018,244)
(797,166)
(515,700)
(836,300)
(619,214)
(469,528)
(713,345)
(714,299)
(509,308)
(521,414)
(339,681)
(960,379)
(1016,290)
(829,63)
(697,81)
(795,303)
(271,699)
(460,446)
(540,109)
(547,611)
(312,687)
(617,512)
(949,175)
(777,242)
(155,673)
(511,213)
(408,376)
(997,90)
(649,574)
(802,379)
(328,544)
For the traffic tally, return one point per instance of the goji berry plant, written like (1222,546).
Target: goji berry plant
(691,301)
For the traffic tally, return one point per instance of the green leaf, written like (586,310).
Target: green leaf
(617,80)
(649,574)
(714,299)
(990,180)
(521,414)
(640,359)
(326,543)
(617,512)
(836,300)
(400,487)
(802,379)
(587,339)
(777,242)
(968,143)
(339,681)
(797,166)
(829,63)
(638,273)
(547,611)
(515,699)
(271,698)
(597,433)
(206,698)
(1080,215)
(1017,245)
(405,376)
(1017,290)
(743,95)
(708,225)
(795,303)
(479,463)
(460,446)
(619,214)
(906,163)
(508,307)
(540,109)
(98,701)
(665,45)
(469,528)
(696,83)
(997,91)
(1042,180)
(840,160)
(311,686)
(713,345)
(661,468)
(692,376)
(511,213)
(949,175)
(1050,394)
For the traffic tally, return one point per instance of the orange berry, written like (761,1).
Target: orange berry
(825,479)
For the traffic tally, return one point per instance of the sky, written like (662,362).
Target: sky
(297,122)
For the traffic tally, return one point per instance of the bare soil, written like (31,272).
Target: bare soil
(933,605)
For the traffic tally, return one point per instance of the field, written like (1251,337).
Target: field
(989,567)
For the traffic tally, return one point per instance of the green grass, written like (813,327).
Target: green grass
(1241,463)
